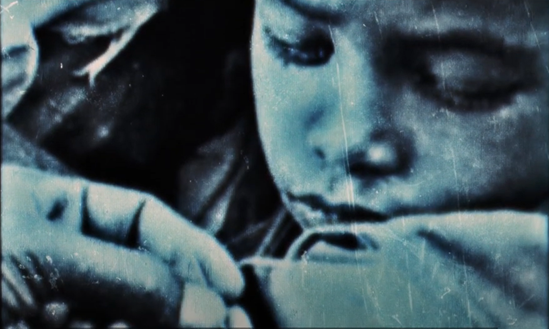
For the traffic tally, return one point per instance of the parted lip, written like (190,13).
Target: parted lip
(342,213)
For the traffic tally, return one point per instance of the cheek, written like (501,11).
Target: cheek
(287,99)
(483,154)
(276,121)
(520,135)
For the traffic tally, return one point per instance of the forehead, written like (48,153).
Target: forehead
(357,8)
(518,18)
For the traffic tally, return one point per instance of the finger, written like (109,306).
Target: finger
(202,307)
(16,295)
(81,324)
(35,197)
(123,217)
(101,279)
(492,241)
(12,311)
(444,263)
(501,255)
(119,325)
(238,318)
(18,325)
(136,219)
(55,314)
(508,249)
(485,231)
(175,240)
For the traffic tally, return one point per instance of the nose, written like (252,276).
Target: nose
(367,154)
(358,130)
(381,153)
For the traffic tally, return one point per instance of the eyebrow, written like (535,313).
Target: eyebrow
(314,12)
(487,43)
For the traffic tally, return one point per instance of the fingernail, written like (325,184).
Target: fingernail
(202,307)
(238,318)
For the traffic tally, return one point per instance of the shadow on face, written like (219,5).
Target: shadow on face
(372,109)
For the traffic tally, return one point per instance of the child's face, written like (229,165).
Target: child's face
(369,109)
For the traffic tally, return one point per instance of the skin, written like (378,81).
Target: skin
(93,254)
(118,255)
(374,109)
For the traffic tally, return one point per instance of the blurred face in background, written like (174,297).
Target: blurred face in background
(372,109)
(153,103)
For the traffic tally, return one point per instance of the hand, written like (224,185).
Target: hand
(467,269)
(108,254)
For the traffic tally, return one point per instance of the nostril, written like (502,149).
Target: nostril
(318,152)
(368,169)
(361,169)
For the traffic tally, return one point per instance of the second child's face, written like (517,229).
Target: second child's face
(371,109)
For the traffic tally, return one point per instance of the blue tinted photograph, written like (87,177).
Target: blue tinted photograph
(275,163)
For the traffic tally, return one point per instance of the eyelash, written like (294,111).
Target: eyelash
(482,99)
(409,62)
(313,51)
(487,95)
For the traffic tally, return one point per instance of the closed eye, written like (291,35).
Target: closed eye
(461,72)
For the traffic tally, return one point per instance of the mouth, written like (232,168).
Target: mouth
(317,209)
